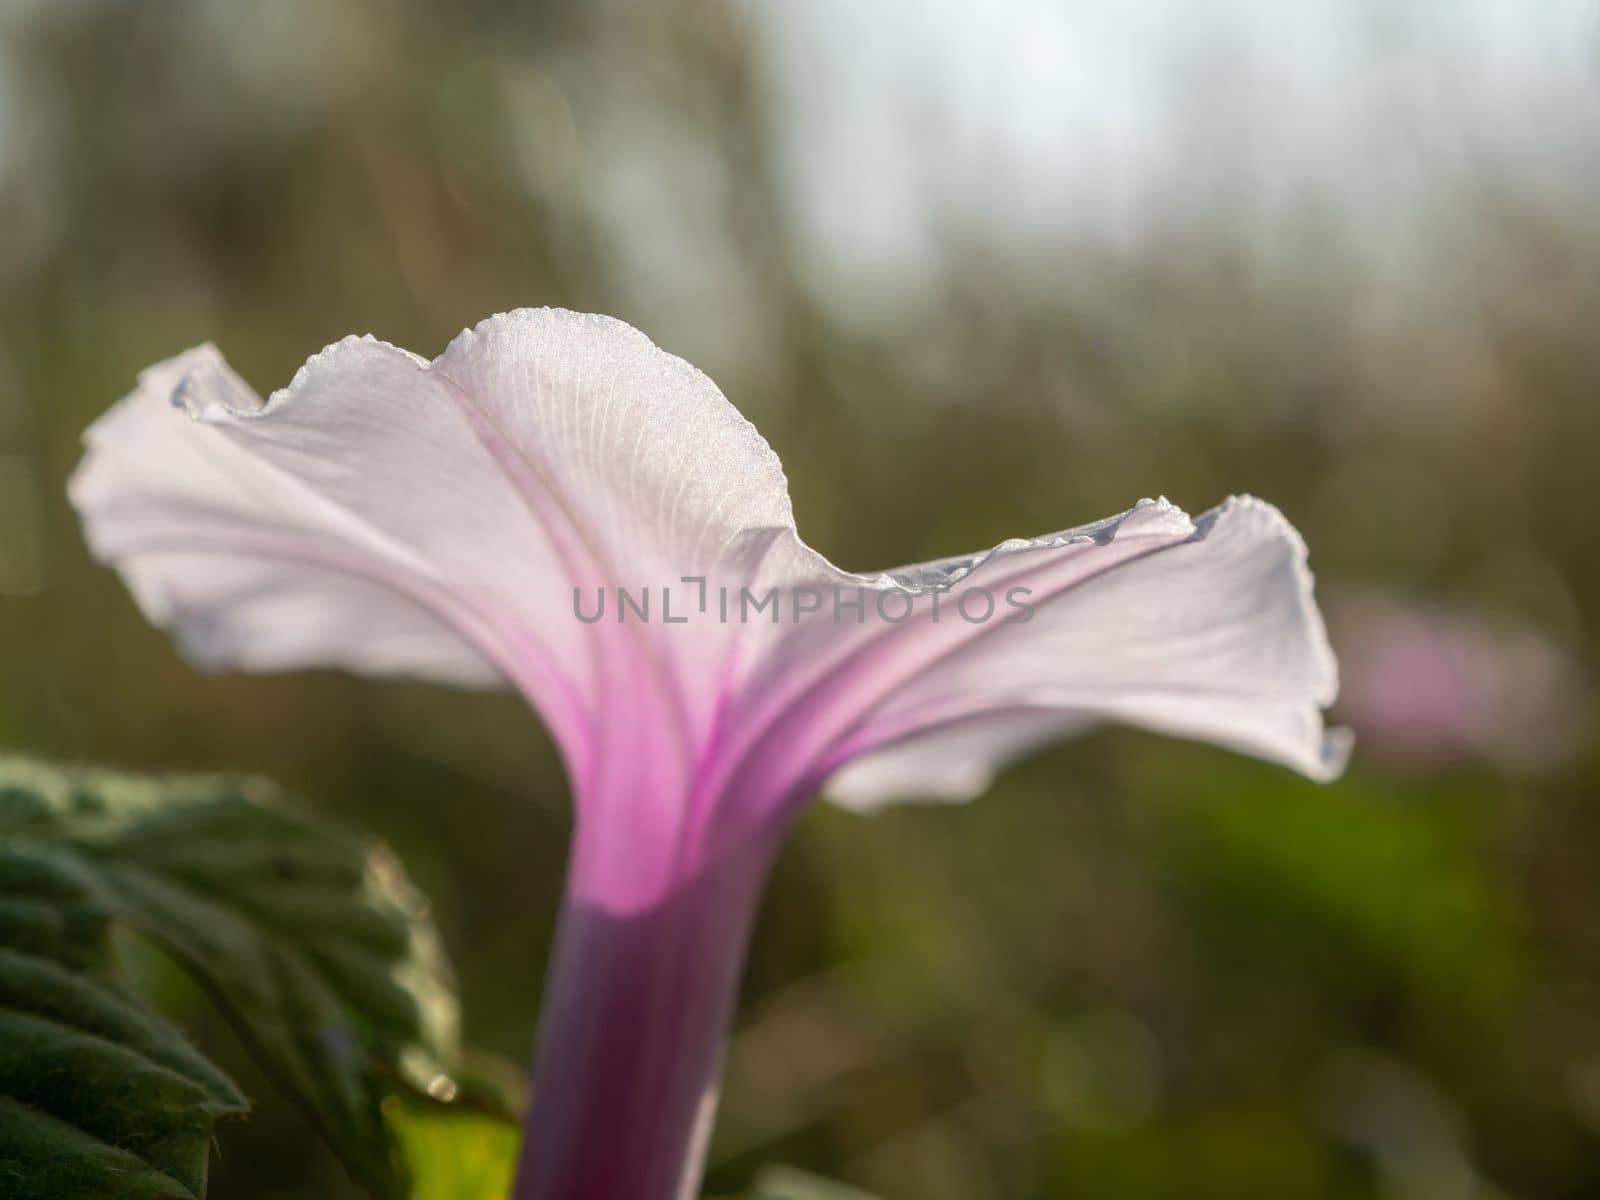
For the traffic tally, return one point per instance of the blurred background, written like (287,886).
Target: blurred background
(976,272)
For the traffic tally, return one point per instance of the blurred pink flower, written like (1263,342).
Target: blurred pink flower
(1435,685)
(461,520)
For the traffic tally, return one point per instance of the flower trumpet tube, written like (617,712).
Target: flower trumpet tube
(556,505)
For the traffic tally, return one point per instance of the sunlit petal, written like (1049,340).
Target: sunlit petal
(1212,635)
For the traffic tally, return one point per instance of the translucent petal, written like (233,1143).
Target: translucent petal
(1212,635)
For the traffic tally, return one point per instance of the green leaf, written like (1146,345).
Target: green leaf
(786,1183)
(454,1154)
(310,940)
(98,1096)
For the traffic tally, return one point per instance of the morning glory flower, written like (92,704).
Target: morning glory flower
(555,504)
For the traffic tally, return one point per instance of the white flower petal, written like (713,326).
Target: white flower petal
(645,475)
(218,548)
(659,474)
(1213,636)
(386,514)
(948,763)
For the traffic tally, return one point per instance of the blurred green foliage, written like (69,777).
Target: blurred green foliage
(309,941)
(454,1155)
(1138,969)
